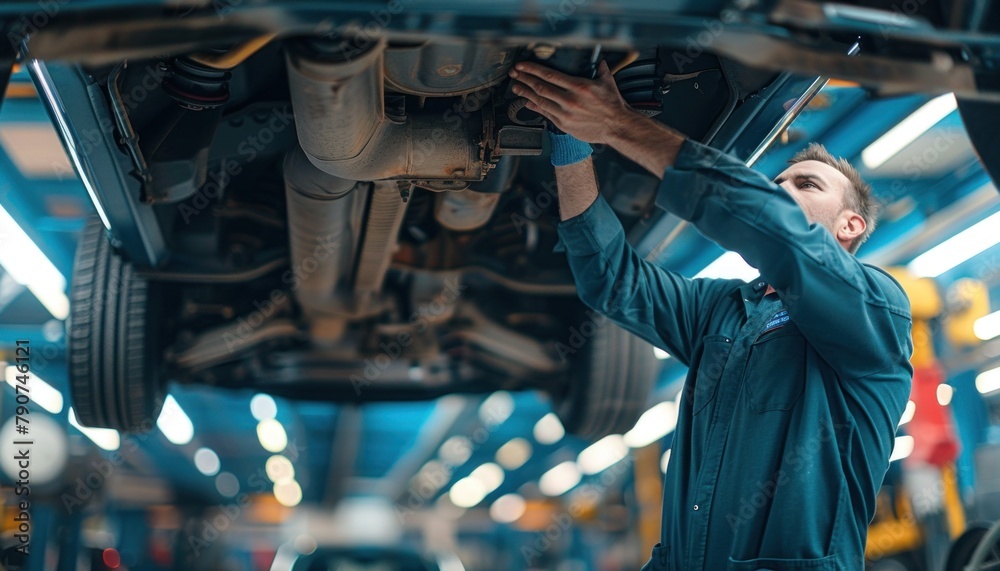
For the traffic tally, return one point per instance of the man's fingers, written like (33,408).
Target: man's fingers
(547,74)
(544,89)
(541,103)
(530,94)
(546,108)
(552,117)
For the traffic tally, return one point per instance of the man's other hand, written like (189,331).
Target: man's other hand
(591,110)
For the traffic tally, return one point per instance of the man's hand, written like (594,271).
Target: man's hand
(593,110)
(590,110)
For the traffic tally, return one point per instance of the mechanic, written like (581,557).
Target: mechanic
(796,382)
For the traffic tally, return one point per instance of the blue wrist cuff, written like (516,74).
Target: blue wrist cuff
(567,149)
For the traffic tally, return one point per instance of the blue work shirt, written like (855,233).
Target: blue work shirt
(792,400)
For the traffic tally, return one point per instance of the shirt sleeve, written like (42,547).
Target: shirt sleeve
(856,316)
(660,306)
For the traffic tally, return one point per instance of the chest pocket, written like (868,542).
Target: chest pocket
(715,352)
(776,369)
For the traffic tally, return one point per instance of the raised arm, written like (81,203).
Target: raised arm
(856,316)
(662,307)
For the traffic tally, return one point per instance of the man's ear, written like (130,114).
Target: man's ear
(850,226)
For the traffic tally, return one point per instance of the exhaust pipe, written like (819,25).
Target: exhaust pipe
(344,130)
(325,216)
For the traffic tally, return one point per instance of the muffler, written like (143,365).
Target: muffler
(343,128)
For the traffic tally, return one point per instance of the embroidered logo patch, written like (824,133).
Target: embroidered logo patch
(779,320)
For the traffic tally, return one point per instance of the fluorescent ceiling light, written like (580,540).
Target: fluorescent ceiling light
(548,429)
(988,326)
(489,475)
(514,454)
(174,423)
(653,425)
(106,438)
(560,479)
(431,476)
(288,493)
(961,247)
(207,461)
(728,266)
(22,259)
(602,454)
(508,508)
(467,492)
(279,469)
(911,409)
(456,450)
(496,408)
(908,130)
(660,354)
(902,448)
(263,407)
(227,484)
(41,393)
(944,394)
(988,381)
(272,435)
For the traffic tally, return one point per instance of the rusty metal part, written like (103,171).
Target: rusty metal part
(324,222)
(234,57)
(128,136)
(465,210)
(447,67)
(514,140)
(227,343)
(385,215)
(342,126)
(470,209)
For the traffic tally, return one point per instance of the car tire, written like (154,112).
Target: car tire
(611,376)
(112,327)
(964,547)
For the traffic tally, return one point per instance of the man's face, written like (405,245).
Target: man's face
(820,190)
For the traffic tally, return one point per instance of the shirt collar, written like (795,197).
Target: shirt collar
(751,293)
